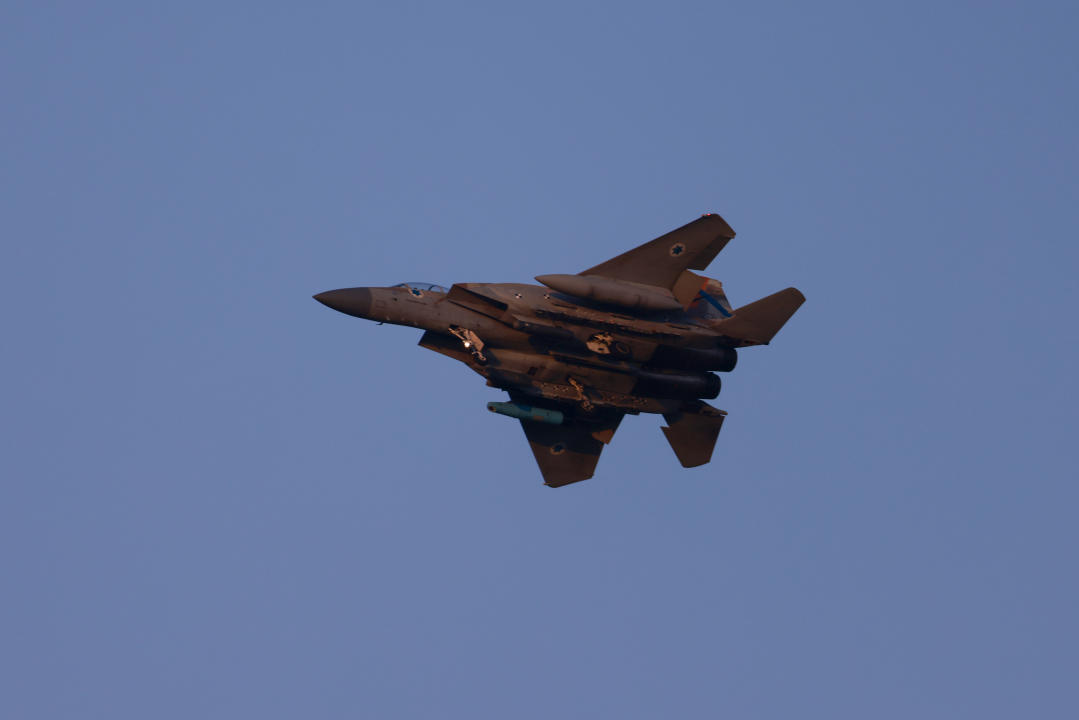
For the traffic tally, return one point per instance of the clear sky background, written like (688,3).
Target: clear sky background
(223,500)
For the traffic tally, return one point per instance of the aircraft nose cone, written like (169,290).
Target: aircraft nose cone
(351,301)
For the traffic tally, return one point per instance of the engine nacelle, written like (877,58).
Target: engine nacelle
(677,385)
(720,359)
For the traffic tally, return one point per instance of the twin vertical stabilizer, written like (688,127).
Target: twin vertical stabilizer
(758,322)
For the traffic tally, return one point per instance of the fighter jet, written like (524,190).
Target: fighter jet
(640,333)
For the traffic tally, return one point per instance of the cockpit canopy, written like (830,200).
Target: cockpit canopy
(419,288)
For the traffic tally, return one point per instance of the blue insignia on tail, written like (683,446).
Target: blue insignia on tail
(714,303)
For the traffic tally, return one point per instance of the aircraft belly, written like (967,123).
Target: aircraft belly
(547,377)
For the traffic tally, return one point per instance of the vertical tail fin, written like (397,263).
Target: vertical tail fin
(758,322)
(702,297)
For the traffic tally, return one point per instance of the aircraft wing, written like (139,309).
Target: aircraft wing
(568,453)
(661,261)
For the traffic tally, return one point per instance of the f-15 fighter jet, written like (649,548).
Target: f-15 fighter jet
(640,333)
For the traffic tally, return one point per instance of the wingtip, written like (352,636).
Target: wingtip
(723,228)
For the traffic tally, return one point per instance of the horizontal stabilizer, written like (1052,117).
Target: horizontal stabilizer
(693,433)
(758,322)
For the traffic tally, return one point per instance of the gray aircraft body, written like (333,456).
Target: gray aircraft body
(640,333)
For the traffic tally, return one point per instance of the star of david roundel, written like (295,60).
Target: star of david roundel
(677,249)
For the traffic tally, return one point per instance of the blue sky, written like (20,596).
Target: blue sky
(223,500)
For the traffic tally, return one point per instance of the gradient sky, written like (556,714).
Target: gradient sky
(223,500)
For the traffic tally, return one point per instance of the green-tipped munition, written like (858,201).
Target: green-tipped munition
(526,412)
